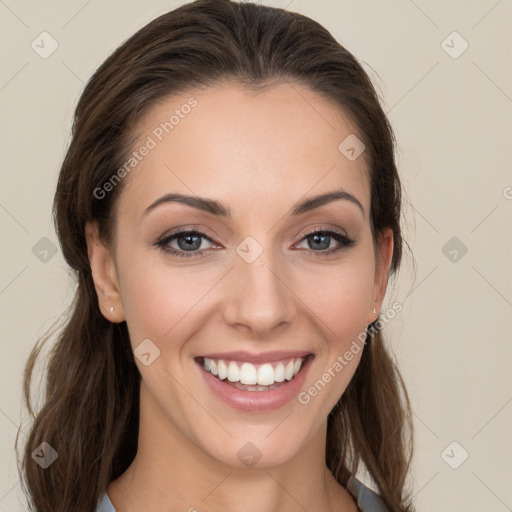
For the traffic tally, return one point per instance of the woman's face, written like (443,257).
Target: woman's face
(253,280)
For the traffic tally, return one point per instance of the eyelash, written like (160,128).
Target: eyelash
(339,236)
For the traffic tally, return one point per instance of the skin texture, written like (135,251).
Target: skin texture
(258,154)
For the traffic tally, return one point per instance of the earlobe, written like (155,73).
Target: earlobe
(104,275)
(382,266)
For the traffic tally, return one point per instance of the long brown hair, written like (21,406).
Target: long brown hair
(90,411)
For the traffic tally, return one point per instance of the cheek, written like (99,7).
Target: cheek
(162,302)
(341,296)
(159,300)
(341,301)
(155,297)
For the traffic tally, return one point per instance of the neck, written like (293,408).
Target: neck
(169,470)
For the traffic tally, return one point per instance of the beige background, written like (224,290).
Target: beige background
(452,118)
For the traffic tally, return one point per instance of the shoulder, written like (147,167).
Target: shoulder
(105,504)
(367,500)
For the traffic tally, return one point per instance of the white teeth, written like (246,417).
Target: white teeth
(288,371)
(233,372)
(222,369)
(248,374)
(265,375)
(279,373)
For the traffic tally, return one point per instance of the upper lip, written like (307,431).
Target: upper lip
(263,357)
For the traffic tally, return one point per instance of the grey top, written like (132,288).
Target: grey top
(367,500)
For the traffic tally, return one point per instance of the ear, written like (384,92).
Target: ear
(104,274)
(384,253)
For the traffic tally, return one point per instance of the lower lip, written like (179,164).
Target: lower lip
(257,400)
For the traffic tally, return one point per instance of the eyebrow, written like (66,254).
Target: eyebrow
(217,208)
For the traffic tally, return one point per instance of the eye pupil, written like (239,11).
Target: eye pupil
(317,240)
(193,242)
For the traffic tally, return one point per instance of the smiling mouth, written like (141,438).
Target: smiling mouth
(254,377)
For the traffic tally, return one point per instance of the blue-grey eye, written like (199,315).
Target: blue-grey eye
(319,241)
(188,243)
(191,242)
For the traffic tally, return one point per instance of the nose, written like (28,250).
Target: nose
(258,296)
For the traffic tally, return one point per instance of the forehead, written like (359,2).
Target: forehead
(243,147)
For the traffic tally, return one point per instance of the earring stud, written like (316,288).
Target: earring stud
(111,309)
(374,310)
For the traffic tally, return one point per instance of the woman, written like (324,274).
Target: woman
(231,207)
